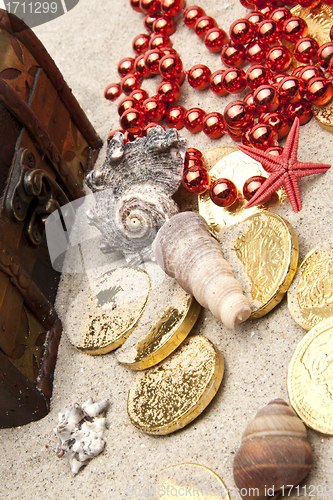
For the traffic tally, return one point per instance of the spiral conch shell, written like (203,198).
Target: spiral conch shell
(185,249)
(133,191)
(275,454)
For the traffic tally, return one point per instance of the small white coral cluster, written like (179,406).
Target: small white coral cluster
(80,432)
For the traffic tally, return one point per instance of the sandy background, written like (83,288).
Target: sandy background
(87,44)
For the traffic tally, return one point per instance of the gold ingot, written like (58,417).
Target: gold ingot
(310,378)
(324,115)
(169,316)
(189,480)
(263,253)
(105,313)
(170,395)
(232,164)
(310,297)
(319,21)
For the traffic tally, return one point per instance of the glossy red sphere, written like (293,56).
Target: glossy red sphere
(308,72)
(214,125)
(141,43)
(135,4)
(149,20)
(234,80)
(168,91)
(278,58)
(252,185)
(223,192)
(132,120)
(279,123)
(266,98)
(262,136)
(294,28)
(291,89)
(164,25)
(159,41)
(129,83)
(204,24)
(150,5)
(198,76)
(139,95)
(302,109)
(305,50)
(215,38)
(194,153)
(325,54)
(126,103)
(196,179)
(170,67)
(216,83)
(193,120)
(233,55)
(172,7)
(112,91)
(154,109)
(237,115)
(280,15)
(257,75)
(140,69)
(125,66)
(268,32)
(242,31)
(255,18)
(174,117)
(192,14)
(152,60)
(255,52)
(251,106)
(319,91)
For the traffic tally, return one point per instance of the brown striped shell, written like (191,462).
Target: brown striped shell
(274,453)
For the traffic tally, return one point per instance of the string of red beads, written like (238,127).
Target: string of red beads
(263,117)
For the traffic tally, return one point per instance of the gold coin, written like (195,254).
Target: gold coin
(263,252)
(237,167)
(105,313)
(310,296)
(189,481)
(324,115)
(310,378)
(170,395)
(169,315)
(319,21)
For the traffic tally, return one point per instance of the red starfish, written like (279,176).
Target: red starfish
(284,170)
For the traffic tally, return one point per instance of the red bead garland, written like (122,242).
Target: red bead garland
(275,97)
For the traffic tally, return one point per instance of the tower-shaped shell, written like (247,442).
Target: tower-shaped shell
(186,250)
(274,454)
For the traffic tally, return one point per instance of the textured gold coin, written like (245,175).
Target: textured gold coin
(324,115)
(310,378)
(319,21)
(310,296)
(170,395)
(189,481)
(104,314)
(237,167)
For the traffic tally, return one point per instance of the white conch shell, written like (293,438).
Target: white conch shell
(185,249)
(80,432)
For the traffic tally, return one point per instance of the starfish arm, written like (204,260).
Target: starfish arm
(292,190)
(303,169)
(291,145)
(272,183)
(268,161)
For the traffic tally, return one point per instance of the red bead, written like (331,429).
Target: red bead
(277,78)
(135,4)
(164,25)
(194,153)
(152,60)
(294,28)
(168,91)
(198,76)
(278,58)
(213,125)
(280,15)
(309,4)
(169,51)
(233,55)
(236,134)
(191,15)
(291,89)
(301,109)
(242,31)
(262,136)
(126,103)
(245,3)
(268,32)
(254,52)
(112,91)
(266,98)
(193,120)
(159,41)
(170,67)
(305,50)
(150,5)
(172,7)
(278,122)
(174,117)
(154,109)
(319,91)
(223,192)
(234,80)
(132,120)
(252,185)
(149,21)
(308,72)
(139,95)
(204,24)
(141,43)
(255,18)
(140,67)
(237,115)
(215,38)
(325,54)
(125,66)
(251,106)
(196,179)
(257,75)
(216,83)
